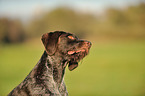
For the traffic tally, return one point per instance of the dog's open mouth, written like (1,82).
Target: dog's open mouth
(76,56)
(83,50)
(75,52)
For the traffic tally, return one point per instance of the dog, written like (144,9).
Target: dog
(46,78)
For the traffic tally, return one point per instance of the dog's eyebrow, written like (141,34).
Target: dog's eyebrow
(68,35)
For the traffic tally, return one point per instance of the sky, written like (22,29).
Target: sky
(24,9)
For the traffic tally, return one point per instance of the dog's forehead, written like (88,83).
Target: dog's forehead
(66,34)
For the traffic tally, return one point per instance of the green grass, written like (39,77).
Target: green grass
(110,69)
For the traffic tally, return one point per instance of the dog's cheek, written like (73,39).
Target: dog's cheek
(62,50)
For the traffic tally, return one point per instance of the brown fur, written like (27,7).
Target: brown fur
(46,78)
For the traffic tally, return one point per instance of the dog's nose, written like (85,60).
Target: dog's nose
(88,43)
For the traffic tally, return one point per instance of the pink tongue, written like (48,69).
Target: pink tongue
(71,52)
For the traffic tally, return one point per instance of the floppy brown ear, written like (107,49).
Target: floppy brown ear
(50,42)
(72,66)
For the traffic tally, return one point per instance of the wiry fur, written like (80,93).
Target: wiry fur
(46,78)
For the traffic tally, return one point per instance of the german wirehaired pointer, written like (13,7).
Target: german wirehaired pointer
(46,78)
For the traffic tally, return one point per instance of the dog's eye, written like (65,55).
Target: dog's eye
(71,37)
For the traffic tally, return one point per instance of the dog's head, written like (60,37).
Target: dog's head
(67,45)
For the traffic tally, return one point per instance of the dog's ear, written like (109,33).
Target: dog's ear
(72,66)
(50,42)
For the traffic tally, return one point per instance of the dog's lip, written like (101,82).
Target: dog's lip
(73,52)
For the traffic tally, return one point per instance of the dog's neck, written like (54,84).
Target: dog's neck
(50,68)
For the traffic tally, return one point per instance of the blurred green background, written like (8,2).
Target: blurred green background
(115,65)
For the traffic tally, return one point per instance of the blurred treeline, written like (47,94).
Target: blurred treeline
(114,23)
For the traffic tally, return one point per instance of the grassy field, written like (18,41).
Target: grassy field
(111,68)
